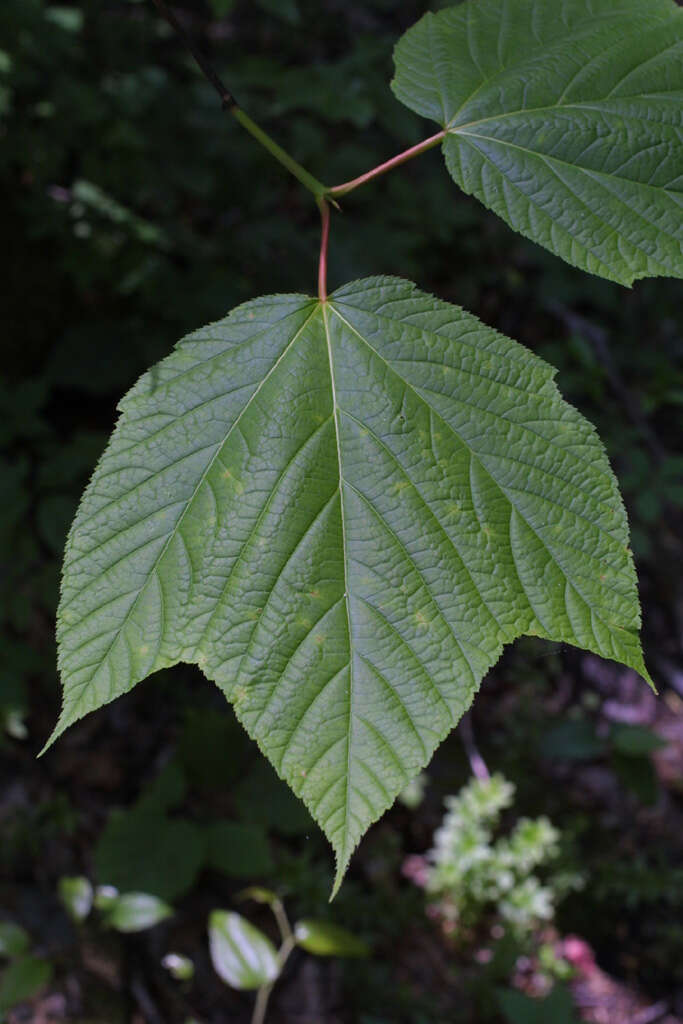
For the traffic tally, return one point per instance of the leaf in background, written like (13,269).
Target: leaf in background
(263,799)
(94,198)
(213,749)
(136,911)
(638,775)
(341,513)
(13,939)
(564,119)
(324,939)
(241,851)
(222,7)
(22,979)
(144,850)
(105,896)
(76,894)
(165,791)
(258,894)
(575,740)
(242,955)
(518,1008)
(179,967)
(287,10)
(635,740)
(70,19)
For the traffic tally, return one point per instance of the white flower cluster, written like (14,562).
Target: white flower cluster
(471,872)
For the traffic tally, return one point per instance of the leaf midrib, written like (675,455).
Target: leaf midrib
(594,106)
(548,158)
(344,853)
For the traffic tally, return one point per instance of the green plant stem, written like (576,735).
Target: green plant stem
(388,165)
(263,994)
(281,155)
(229,103)
(283,924)
(286,934)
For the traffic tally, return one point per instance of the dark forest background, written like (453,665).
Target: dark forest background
(133,211)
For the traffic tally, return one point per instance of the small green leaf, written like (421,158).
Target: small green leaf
(179,967)
(325,939)
(564,118)
(242,955)
(13,939)
(76,894)
(14,722)
(22,979)
(341,512)
(136,911)
(105,896)
(258,894)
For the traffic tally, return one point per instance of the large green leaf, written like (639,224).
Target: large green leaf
(341,512)
(563,117)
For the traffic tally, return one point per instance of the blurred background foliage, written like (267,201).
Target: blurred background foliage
(134,211)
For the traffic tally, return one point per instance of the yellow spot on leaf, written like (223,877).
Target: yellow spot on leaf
(239,486)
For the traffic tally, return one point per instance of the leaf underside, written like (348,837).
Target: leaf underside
(341,513)
(565,119)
